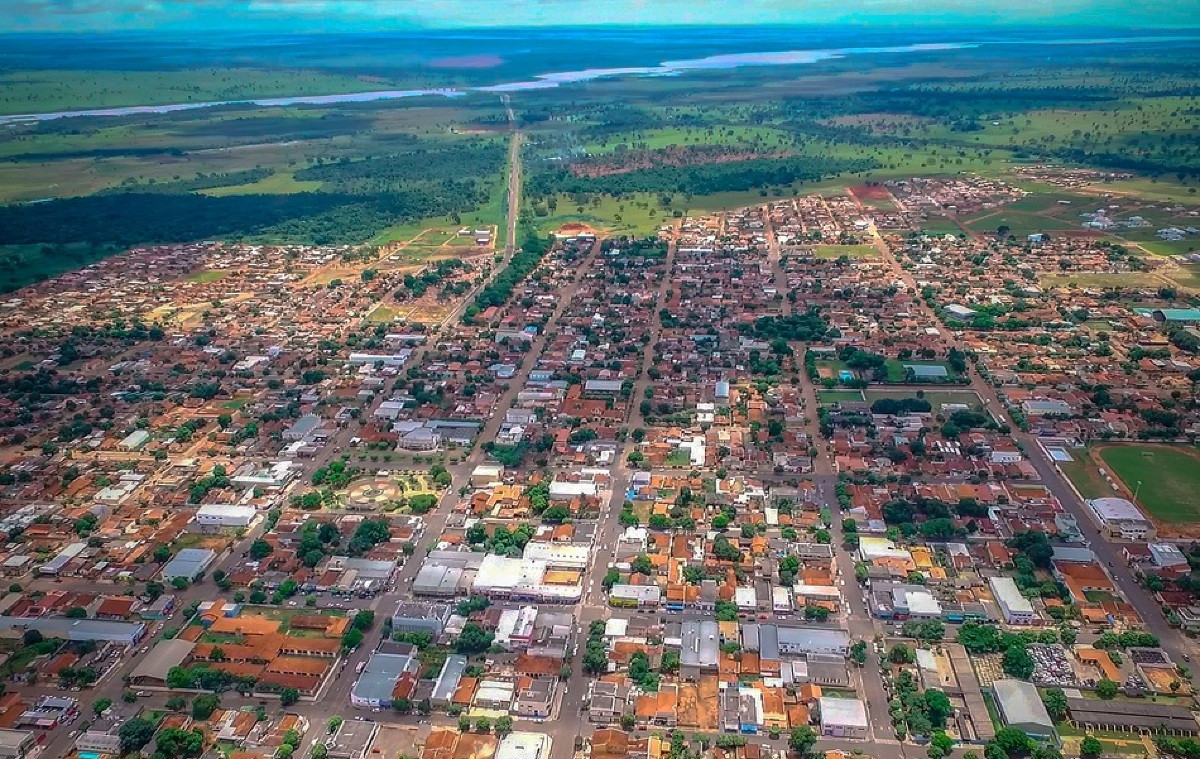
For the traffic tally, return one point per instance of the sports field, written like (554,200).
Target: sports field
(1170,477)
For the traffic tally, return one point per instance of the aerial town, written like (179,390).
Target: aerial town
(823,474)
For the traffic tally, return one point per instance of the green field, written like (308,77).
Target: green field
(1169,477)
(825,397)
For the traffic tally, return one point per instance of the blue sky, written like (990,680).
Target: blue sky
(106,15)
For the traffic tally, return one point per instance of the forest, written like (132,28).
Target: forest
(699,180)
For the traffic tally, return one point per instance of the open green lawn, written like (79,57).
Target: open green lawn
(1170,477)
(838,396)
(940,227)
(1019,223)
(1084,476)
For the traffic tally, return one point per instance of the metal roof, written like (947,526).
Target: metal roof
(1022,707)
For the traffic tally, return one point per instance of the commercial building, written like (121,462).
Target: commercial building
(843,717)
(1120,518)
(188,563)
(1022,708)
(416,617)
(521,745)
(99,630)
(218,517)
(375,683)
(1016,608)
(16,744)
(155,666)
(700,649)
(352,740)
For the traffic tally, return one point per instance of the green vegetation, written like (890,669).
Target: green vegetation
(1169,477)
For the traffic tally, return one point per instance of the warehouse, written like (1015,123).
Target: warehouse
(188,563)
(99,630)
(1022,708)
(217,517)
(1121,518)
(1132,717)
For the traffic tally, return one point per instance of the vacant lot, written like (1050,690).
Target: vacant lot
(1169,476)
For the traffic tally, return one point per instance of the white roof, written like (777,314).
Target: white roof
(1116,509)
(847,712)
(1007,592)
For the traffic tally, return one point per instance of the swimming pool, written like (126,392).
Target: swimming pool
(88,755)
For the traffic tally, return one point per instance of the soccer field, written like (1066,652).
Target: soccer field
(1170,477)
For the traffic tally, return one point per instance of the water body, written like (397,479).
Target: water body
(566,78)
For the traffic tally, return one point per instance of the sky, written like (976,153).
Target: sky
(318,15)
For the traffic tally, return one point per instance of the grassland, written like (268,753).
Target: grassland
(1102,280)
(282,183)
(1169,477)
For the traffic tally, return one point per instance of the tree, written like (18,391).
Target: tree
(1090,746)
(176,703)
(333,724)
(260,549)
(1106,689)
(204,706)
(135,733)
(1018,662)
(101,705)
(802,739)
(938,707)
(474,639)
(901,654)
(940,745)
(1056,703)
(289,696)
(162,554)
(483,725)
(1012,741)
(504,725)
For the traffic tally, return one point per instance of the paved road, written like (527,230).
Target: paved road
(1108,552)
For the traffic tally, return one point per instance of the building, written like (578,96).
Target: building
(65,628)
(700,649)
(802,641)
(1119,518)
(375,683)
(352,740)
(843,717)
(165,656)
(521,745)
(1016,608)
(1142,717)
(536,701)
(219,517)
(17,744)
(1022,708)
(416,617)
(188,563)
(447,680)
